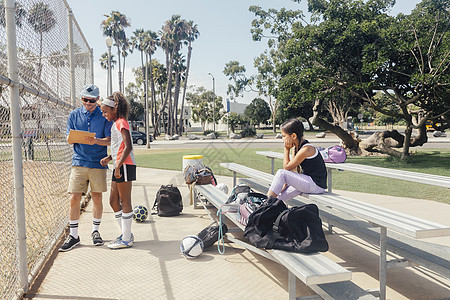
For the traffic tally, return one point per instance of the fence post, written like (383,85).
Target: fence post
(71,57)
(92,65)
(19,193)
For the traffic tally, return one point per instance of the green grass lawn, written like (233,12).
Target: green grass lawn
(431,161)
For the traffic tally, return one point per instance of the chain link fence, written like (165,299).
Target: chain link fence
(54,61)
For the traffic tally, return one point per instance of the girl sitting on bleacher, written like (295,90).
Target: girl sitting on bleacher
(289,182)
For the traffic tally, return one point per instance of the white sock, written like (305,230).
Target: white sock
(96,224)
(118,216)
(73,228)
(127,218)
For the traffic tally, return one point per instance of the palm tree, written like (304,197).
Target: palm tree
(58,60)
(114,27)
(179,68)
(159,75)
(192,34)
(171,36)
(137,42)
(150,41)
(42,19)
(20,13)
(104,61)
(126,48)
(104,64)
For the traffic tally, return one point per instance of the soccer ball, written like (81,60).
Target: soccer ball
(140,213)
(223,187)
(191,246)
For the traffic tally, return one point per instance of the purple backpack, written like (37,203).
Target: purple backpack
(333,154)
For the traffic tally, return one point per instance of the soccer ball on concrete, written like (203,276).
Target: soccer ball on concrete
(140,213)
(191,246)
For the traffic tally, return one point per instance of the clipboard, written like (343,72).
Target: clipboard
(77,136)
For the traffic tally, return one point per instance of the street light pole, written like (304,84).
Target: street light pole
(109,42)
(214,104)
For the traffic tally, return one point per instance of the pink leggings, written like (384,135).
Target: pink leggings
(297,184)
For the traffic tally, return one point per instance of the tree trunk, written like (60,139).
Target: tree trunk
(123,75)
(153,97)
(169,84)
(176,96)
(385,141)
(273,110)
(145,91)
(186,74)
(348,140)
(170,115)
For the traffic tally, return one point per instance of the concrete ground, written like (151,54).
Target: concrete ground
(154,268)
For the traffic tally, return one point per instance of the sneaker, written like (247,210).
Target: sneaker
(96,238)
(119,243)
(119,238)
(70,243)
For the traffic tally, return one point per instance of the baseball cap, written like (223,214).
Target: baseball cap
(90,91)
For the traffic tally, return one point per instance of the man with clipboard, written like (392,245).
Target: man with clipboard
(90,134)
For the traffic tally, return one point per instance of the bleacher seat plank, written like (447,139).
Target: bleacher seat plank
(406,224)
(430,179)
(312,268)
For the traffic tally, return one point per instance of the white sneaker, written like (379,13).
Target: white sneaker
(119,243)
(120,238)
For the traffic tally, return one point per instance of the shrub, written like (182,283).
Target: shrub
(248,132)
(208,131)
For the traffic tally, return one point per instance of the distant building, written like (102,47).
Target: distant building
(191,126)
(233,106)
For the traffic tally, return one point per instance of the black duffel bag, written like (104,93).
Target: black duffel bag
(210,234)
(298,229)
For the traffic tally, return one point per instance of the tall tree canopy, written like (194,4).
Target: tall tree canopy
(257,111)
(354,49)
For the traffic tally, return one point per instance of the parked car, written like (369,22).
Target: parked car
(139,137)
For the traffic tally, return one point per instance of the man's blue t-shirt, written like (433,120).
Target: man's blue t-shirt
(89,155)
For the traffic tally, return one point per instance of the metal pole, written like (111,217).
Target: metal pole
(109,72)
(19,193)
(91,50)
(214,104)
(383,263)
(146,103)
(228,125)
(71,58)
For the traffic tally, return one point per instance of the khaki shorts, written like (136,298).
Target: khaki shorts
(81,177)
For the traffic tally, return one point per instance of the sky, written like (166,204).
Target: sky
(224,28)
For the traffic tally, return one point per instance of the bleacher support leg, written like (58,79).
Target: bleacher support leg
(383,262)
(330,181)
(272,165)
(292,286)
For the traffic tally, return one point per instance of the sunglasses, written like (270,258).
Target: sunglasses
(89,100)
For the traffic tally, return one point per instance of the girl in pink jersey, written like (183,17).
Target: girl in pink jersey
(115,108)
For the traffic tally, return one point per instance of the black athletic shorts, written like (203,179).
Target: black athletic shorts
(127,173)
